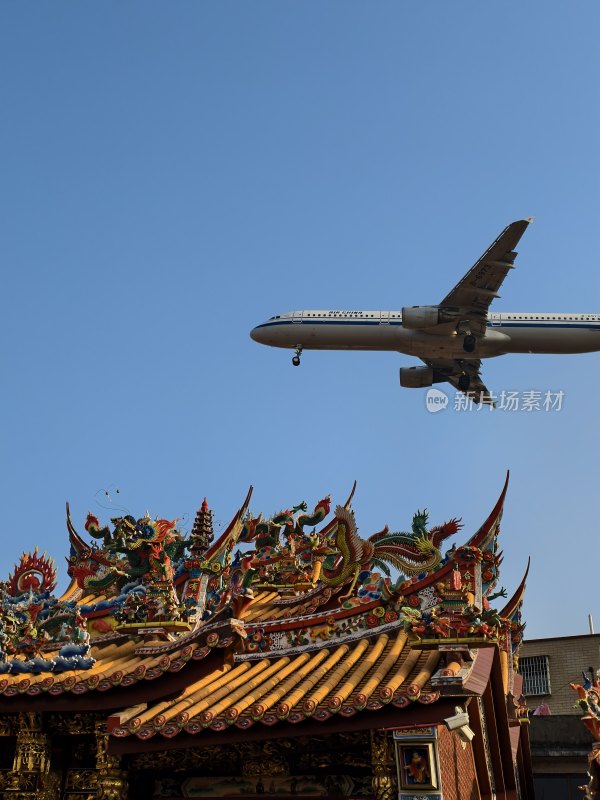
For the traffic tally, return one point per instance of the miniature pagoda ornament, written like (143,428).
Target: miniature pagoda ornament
(202,533)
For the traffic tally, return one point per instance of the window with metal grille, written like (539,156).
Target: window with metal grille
(536,675)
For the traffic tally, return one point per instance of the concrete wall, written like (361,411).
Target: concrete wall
(560,742)
(567,657)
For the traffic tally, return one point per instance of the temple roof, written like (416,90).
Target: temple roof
(343,679)
(268,623)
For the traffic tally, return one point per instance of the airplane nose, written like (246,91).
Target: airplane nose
(255,334)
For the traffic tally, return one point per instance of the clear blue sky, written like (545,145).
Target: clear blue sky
(174,173)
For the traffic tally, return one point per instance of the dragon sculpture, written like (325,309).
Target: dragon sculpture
(410,553)
(38,632)
(415,552)
(266,533)
(135,549)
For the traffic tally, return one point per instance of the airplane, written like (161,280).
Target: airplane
(450,338)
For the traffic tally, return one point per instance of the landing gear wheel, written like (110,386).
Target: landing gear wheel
(464,382)
(469,343)
(296,358)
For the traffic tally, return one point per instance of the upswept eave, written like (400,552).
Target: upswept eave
(517,599)
(480,539)
(231,532)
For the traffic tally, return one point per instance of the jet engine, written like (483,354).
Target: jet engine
(420,316)
(414,317)
(416,377)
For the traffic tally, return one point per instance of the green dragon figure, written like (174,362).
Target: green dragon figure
(143,548)
(410,553)
(415,552)
(266,533)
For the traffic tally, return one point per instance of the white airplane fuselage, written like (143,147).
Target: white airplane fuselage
(383,330)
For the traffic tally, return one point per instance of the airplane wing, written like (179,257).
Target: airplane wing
(452,370)
(473,294)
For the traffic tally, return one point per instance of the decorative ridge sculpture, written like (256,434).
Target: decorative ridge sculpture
(144,578)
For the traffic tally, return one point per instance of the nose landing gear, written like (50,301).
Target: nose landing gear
(296,358)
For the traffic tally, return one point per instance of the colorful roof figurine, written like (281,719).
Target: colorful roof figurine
(589,702)
(292,619)
(39,633)
(588,693)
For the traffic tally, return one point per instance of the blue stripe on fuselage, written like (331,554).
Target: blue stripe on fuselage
(565,324)
(328,322)
(515,324)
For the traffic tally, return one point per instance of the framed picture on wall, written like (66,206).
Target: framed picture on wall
(417,768)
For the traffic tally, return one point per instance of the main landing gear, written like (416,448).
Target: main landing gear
(464,382)
(469,343)
(296,358)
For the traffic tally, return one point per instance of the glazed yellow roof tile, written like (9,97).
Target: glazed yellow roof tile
(300,673)
(112,666)
(375,679)
(193,695)
(452,668)
(90,598)
(316,675)
(431,662)
(231,691)
(117,663)
(400,675)
(330,681)
(264,606)
(256,609)
(17,677)
(313,684)
(279,612)
(363,666)
(71,591)
(279,676)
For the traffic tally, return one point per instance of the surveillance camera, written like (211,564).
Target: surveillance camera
(465,733)
(459,720)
